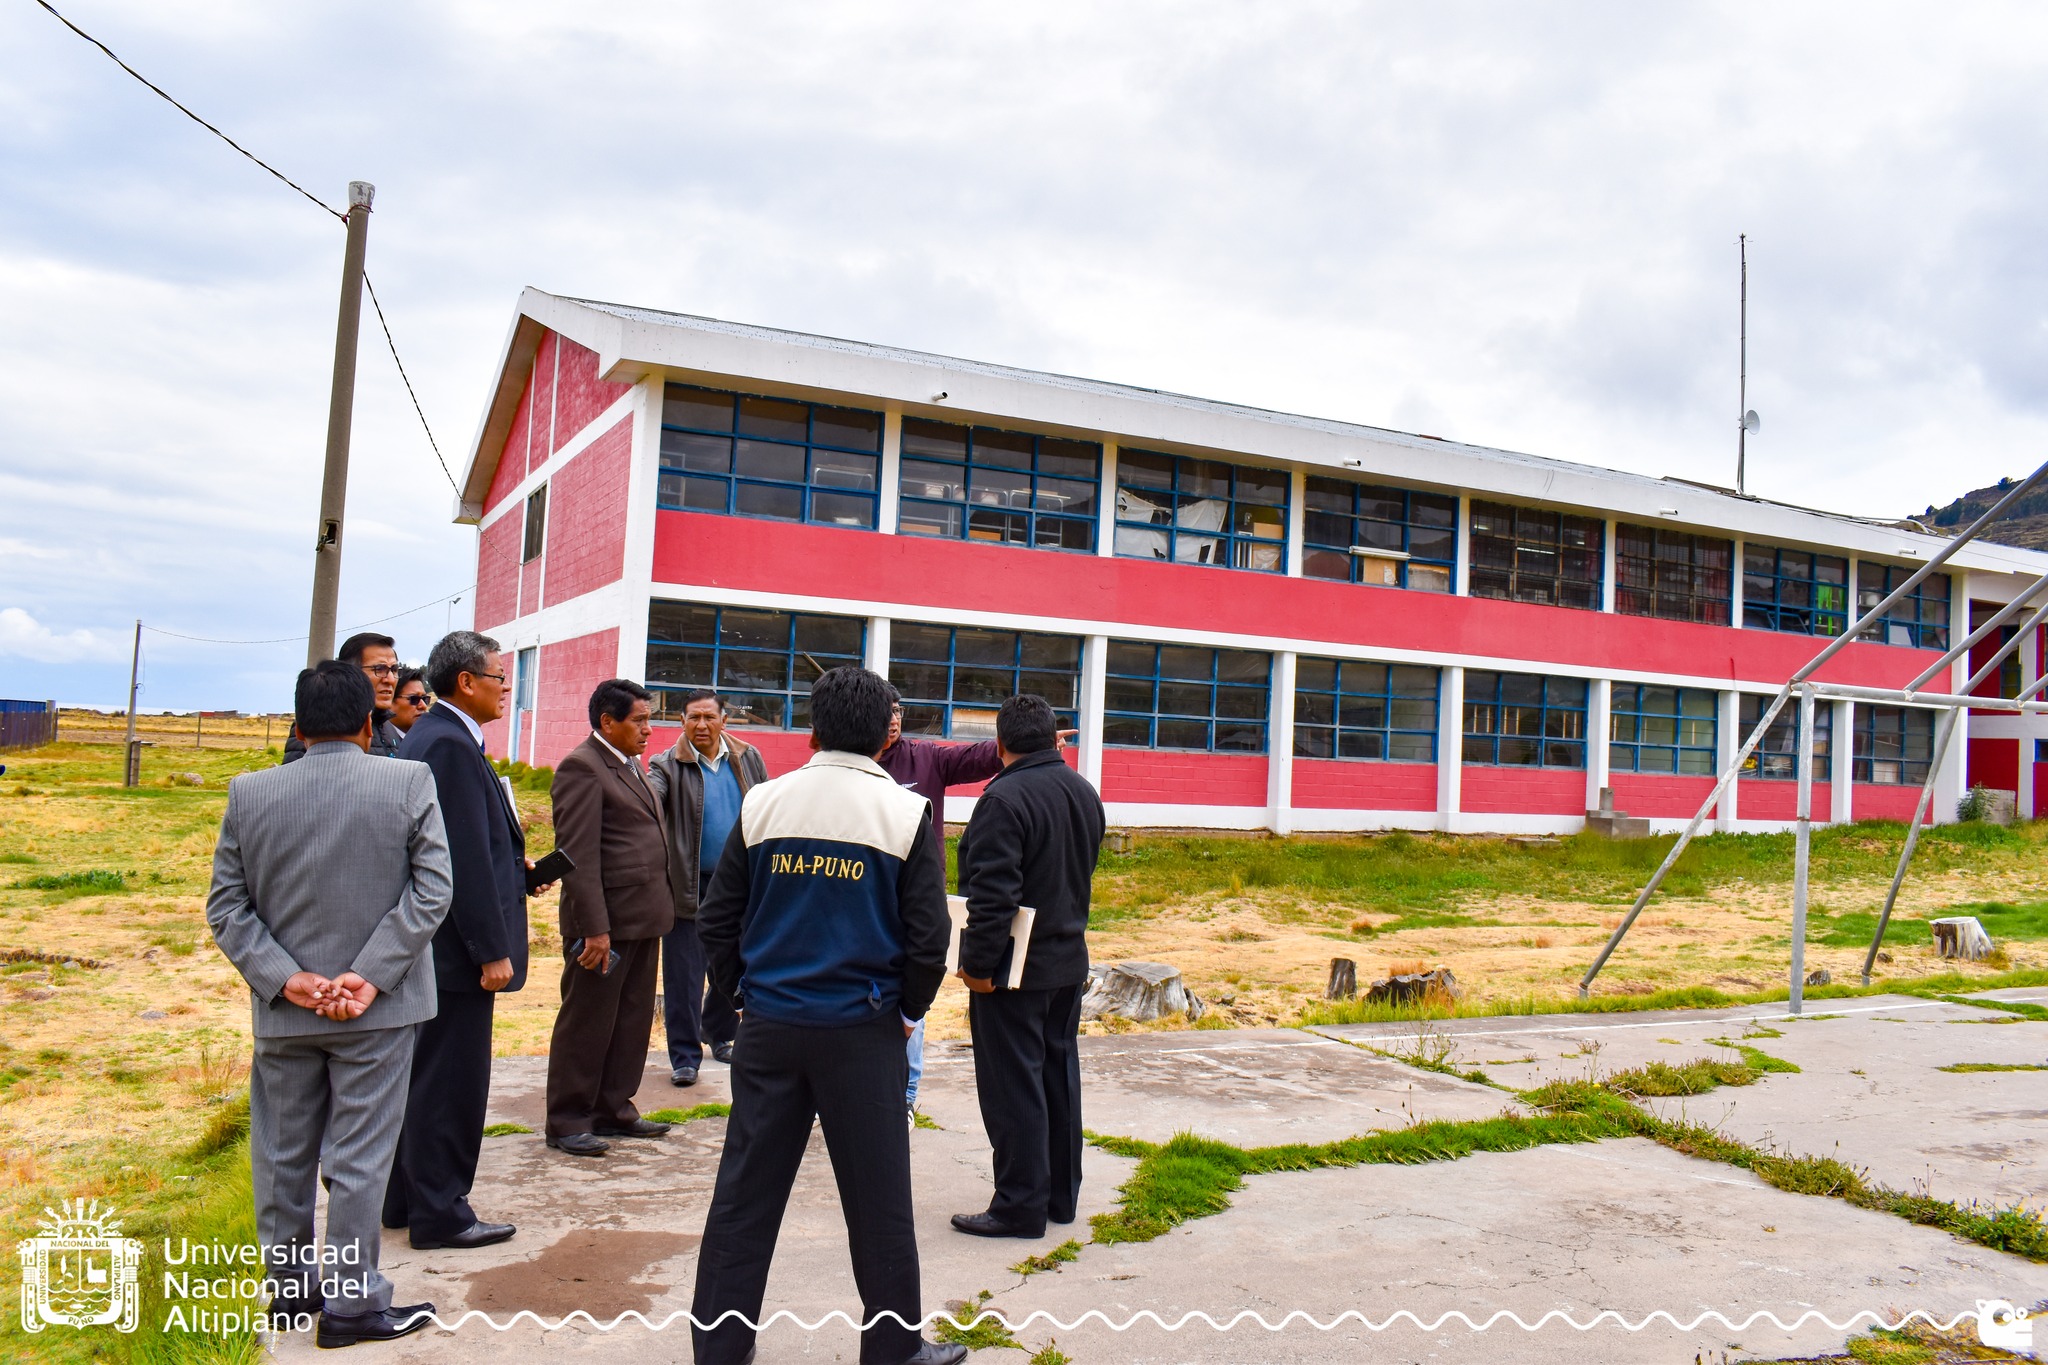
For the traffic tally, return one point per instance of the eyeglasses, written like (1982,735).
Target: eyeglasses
(499,677)
(417,700)
(381,670)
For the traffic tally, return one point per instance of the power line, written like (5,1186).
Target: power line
(295,639)
(312,198)
(390,341)
(164,95)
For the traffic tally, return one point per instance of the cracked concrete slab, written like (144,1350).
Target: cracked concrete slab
(1622,1225)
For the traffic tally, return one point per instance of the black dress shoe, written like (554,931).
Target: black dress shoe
(477,1234)
(722,1052)
(580,1144)
(640,1128)
(938,1353)
(988,1225)
(683,1076)
(286,1314)
(388,1324)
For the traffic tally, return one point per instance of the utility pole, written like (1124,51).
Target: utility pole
(131,752)
(340,411)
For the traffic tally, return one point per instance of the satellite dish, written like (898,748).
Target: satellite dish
(1752,422)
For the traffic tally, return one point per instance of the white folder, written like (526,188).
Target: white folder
(1020,939)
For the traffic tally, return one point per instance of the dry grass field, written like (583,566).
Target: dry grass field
(123,1033)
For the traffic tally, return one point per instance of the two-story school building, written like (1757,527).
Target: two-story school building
(1254,619)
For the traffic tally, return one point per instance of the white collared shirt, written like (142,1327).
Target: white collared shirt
(713,763)
(631,763)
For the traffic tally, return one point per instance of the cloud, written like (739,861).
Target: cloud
(24,637)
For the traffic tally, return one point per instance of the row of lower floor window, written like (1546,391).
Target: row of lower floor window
(1191,697)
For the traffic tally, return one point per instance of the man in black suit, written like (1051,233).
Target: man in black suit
(479,950)
(1033,840)
(378,658)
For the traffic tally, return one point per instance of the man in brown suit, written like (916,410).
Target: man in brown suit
(616,905)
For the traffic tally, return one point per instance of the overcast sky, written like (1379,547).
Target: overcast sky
(1507,224)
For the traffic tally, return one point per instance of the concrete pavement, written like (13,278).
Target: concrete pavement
(1622,1225)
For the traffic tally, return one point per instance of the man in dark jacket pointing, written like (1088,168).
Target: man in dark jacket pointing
(1033,841)
(826,924)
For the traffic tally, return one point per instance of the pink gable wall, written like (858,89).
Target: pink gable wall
(497,571)
(543,394)
(587,516)
(512,460)
(580,397)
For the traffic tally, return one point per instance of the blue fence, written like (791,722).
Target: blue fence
(25,724)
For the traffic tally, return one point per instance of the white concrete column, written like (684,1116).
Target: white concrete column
(1728,737)
(1094,685)
(1608,559)
(1735,584)
(1105,505)
(1280,745)
(1297,513)
(1450,745)
(1842,764)
(877,660)
(1851,607)
(1599,730)
(643,487)
(1461,570)
(2030,657)
(891,486)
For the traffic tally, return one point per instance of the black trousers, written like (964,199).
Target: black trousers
(693,1011)
(444,1120)
(1027,1070)
(599,1049)
(852,1079)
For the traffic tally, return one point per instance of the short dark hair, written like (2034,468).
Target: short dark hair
(409,675)
(457,653)
(351,651)
(614,697)
(697,694)
(333,700)
(850,710)
(1026,725)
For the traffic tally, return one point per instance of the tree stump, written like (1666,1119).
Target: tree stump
(1139,991)
(1412,988)
(1961,936)
(1343,979)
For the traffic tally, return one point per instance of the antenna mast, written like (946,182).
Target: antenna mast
(1742,384)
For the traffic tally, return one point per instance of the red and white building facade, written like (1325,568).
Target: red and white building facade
(1255,620)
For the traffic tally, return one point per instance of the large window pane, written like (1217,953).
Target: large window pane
(794,461)
(1523,554)
(1006,487)
(963,674)
(1185,697)
(1190,511)
(1524,720)
(762,662)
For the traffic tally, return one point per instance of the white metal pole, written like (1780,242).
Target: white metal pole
(1802,848)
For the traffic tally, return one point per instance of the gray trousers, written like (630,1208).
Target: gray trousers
(344,1092)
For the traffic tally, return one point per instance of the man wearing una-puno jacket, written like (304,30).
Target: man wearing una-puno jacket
(826,924)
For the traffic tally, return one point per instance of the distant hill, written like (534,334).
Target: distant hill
(2025,525)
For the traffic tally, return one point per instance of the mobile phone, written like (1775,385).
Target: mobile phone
(575,950)
(549,869)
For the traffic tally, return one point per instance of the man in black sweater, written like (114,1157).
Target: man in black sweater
(1033,840)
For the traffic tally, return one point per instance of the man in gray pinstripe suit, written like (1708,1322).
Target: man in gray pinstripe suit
(329,879)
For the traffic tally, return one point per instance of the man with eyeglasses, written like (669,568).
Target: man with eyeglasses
(376,656)
(411,700)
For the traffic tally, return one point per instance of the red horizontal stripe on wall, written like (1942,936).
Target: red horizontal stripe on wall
(1523,791)
(945,576)
(1339,784)
(1659,795)
(1881,801)
(1178,777)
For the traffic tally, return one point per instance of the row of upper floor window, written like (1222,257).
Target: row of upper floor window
(747,455)
(1191,697)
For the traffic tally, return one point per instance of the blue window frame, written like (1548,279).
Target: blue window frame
(1776,756)
(1192,511)
(1920,619)
(954,678)
(1524,720)
(1388,537)
(1004,487)
(1349,708)
(1672,575)
(1794,590)
(1894,745)
(750,456)
(762,663)
(1662,730)
(1186,697)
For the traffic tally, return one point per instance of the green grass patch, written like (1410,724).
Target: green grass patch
(968,1323)
(690,1115)
(1967,1067)
(1661,1079)
(21,858)
(1756,1059)
(1051,1354)
(920,1119)
(505,1129)
(98,881)
(1051,1260)
(2022,1008)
